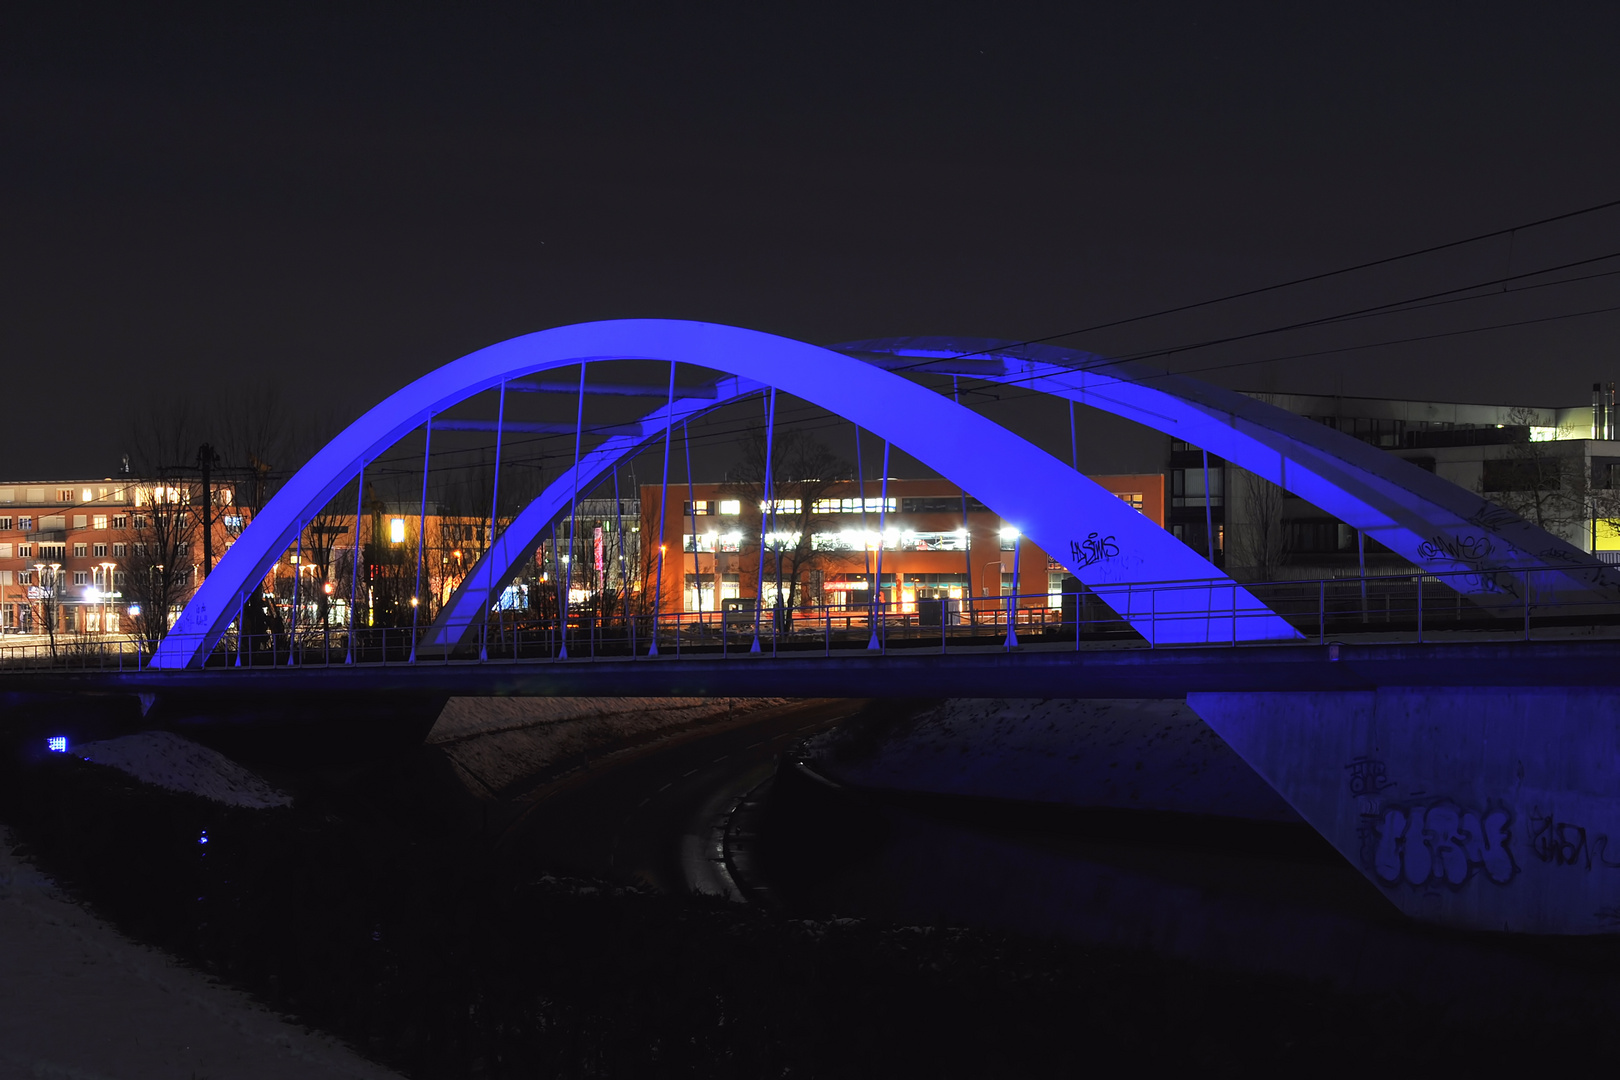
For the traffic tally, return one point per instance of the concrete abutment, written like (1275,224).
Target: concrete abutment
(1480,808)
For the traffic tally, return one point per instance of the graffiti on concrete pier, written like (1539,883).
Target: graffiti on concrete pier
(1442,843)
(1564,843)
(1368,776)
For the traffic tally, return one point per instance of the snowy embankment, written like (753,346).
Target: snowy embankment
(77,999)
(505,743)
(1154,755)
(167,760)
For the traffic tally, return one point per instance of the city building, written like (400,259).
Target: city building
(936,544)
(67,548)
(1556,467)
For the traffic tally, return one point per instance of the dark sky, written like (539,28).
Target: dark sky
(335,198)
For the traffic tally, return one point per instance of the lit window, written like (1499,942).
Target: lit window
(396,530)
(731,506)
(57,744)
(100,521)
(88,495)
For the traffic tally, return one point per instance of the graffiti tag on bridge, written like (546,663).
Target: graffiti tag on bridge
(1471,553)
(1467,550)
(1093,548)
(1442,843)
(1563,843)
(1368,776)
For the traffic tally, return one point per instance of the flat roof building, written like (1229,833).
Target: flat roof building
(936,543)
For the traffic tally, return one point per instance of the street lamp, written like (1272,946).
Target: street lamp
(106,594)
(1009,532)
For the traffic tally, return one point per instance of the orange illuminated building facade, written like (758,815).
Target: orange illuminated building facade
(936,545)
(66,547)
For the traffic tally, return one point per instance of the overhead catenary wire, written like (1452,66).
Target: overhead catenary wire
(1393,307)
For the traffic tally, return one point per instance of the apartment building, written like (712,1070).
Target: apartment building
(67,547)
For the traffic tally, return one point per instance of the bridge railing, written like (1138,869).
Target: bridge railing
(1395,607)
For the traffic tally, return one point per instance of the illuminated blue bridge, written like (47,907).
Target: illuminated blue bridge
(1454,740)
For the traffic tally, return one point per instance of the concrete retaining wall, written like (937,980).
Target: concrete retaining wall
(1488,809)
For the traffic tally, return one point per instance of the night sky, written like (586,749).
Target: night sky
(333,199)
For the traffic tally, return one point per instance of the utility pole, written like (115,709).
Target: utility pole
(206,460)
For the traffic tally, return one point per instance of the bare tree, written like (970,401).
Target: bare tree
(803,470)
(1545,488)
(1261,539)
(328,552)
(160,567)
(44,601)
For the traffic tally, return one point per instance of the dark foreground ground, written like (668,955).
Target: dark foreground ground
(362,913)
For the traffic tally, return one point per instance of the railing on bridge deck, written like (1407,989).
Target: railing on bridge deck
(1409,607)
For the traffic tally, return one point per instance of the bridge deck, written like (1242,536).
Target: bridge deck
(1029,672)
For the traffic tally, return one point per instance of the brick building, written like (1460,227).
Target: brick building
(67,547)
(937,544)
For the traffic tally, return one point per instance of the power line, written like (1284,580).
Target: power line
(1324,275)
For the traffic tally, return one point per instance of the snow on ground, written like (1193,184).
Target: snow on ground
(79,1000)
(506,741)
(167,760)
(1154,755)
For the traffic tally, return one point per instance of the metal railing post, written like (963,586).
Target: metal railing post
(1321,611)
(1527,605)
(1153,617)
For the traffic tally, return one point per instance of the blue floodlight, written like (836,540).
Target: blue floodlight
(56,744)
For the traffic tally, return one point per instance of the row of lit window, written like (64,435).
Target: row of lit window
(63,495)
(59,551)
(733,507)
(80,577)
(222,496)
(25,522)
(893,539)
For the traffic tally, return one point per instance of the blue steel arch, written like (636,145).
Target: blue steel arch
(1056,507)
(1430,521)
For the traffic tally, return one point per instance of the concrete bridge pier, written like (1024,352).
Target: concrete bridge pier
(1479,808)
